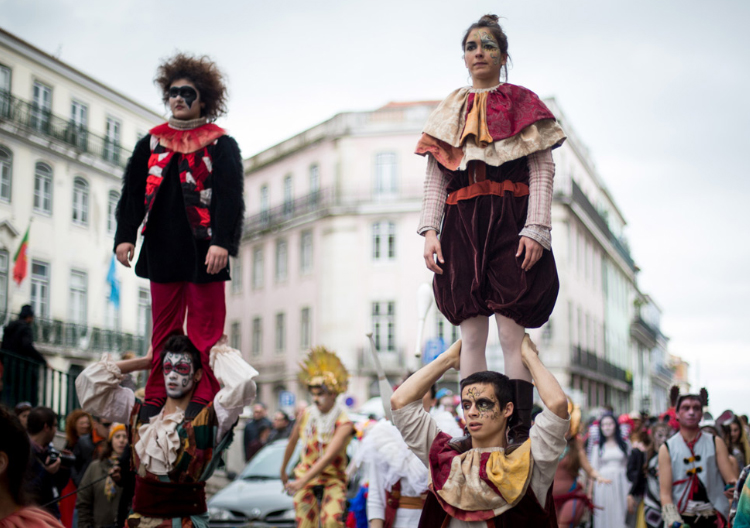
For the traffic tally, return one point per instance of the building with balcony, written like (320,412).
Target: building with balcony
(64,141)
(653,371)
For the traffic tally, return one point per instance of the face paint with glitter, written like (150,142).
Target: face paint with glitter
(179,374)
(188,93)
(490,46)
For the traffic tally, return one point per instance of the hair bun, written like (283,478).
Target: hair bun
(490,19)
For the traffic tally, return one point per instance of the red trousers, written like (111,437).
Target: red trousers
(206,311)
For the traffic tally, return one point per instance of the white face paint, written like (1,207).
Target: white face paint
(179,374)
(608,427)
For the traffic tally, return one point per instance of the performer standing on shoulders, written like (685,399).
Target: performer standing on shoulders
(325,431)
(173,455)
(184,183)
(489,182)
(693,469)
(486,484)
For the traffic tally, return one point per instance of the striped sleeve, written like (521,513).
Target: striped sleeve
(539,216)
(433,201)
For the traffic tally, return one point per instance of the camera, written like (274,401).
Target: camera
(66,459)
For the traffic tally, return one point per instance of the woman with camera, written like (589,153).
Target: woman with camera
(98,495)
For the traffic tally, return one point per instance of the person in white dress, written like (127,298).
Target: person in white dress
(610,458)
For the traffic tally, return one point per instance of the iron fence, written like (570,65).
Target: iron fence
(25,380)
(40,120)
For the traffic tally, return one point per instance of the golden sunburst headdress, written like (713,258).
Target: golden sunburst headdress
(323,368)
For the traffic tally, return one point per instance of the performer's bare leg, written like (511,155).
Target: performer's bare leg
(474,345)
(511,336)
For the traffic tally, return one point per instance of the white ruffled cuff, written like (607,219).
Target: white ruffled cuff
(234,374)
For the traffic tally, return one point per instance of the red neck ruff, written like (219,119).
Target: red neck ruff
(186,141)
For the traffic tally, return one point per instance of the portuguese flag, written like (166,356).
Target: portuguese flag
(21,264)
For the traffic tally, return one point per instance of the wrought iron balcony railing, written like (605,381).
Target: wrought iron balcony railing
(33,118)
(592,362)
(86,338)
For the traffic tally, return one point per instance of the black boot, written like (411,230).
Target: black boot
(461,443)
(520,421)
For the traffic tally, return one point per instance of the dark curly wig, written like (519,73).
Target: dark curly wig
(202,72)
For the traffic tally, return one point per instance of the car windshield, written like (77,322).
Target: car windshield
(266,464)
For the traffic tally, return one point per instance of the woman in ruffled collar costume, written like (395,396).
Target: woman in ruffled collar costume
(489,183)
(183,184)
(172,455)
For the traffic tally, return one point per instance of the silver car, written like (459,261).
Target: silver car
(256,498)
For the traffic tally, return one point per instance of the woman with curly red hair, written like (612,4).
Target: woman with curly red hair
(184,183)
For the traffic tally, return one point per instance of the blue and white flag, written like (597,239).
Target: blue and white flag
(114,284)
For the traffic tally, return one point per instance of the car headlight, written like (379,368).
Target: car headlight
(220,514)
(286,515)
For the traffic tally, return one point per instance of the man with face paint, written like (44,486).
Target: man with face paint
(173,455)
(487,482)
(695,473)
(184,184)
(325,431)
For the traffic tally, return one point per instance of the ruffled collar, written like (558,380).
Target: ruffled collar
(186,140)
(483,90)
(159,442)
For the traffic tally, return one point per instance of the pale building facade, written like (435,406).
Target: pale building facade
(64,141)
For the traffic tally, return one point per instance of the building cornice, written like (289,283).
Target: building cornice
(46,60)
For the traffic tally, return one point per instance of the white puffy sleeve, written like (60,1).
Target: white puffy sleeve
(238,388)
(100,393)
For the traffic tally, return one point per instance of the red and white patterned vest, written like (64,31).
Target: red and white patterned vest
(194,150)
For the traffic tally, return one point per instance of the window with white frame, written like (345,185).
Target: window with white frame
(112,201)
(4,275)
(385,173)
(257,268)
(43,188)
(42,107)
(79,118)
(280,340)
(383,241)
(6,172)
(264,204)
(314,183)
(40,275)
(305,328)
(236,337)
(282,257)
(111,313)
(5,74)
(306,252)
(144,312)
(384,325)
(237,273)
(80,201)
(112,141)
(257,345)
(77,307)
(288,196)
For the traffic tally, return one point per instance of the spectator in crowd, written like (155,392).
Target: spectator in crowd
(48,473)
(77,426)
(253,430)
(22,412)
(282,426)
(19,339)
(737,442)
(99,496)
(739,515)
(15,452)
(609,459)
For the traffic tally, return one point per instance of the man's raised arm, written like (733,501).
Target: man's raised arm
(549,388)
(418,384)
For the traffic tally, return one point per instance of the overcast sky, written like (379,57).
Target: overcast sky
(658,91)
